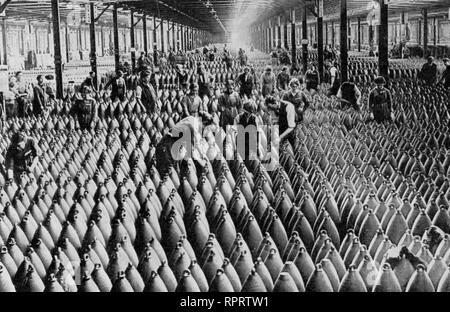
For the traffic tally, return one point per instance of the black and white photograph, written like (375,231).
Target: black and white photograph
(223,150)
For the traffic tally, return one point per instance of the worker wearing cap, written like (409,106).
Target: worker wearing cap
(247,135)
(179,144)
(38,96)
(268,82)
(283,79)
(296,97)
(446,74)
(85,109)
(146,95)
(428,73)
(118,87)
(89,81)
(70,92)
(193,105)
(246,82)
(349,95)
(51,102)
(22,155)
(380,102)
(290,112)
(229,105)
(312,78)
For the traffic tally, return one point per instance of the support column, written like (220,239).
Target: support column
(435,36)
(333,35)
(263,38)
(293,41)
(57,49)
(144,26)
(425,32)
(420,32)
(286,44)
(279,44)
(116,39)
(344,41)
(182,30)
(5,41)
(93,54)
(383,53)
(102,34)
(326,33)
(67,39)
(155,38)
(371,35)
(320,37)
(174,35)
(349,35)
(132,42)
(359,34)
(305,40)
(49,33)
(270,37)
(163,44)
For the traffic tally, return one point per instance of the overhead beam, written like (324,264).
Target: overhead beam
(137,22)
(4,5)
(101,13)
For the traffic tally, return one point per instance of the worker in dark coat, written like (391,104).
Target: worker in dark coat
(118,87)
(428,73)
(38,96)
(446,74)
(85,109)
(349,95)
(283,79)
(246,82)
(205,81)
(229,105)
(22,155)
(179,145)
(312,78)
(247,136)
(296,97)
(146,95)
(380,102)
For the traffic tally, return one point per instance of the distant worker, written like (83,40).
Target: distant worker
(380,102)
(146,95)
(268,82)
(85,109)
(283,79)
(229,105)
(428,73)
(349,95)
(118,87)
(445,79)
(38,96)
(22,155)
(312,80)
(246,82)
